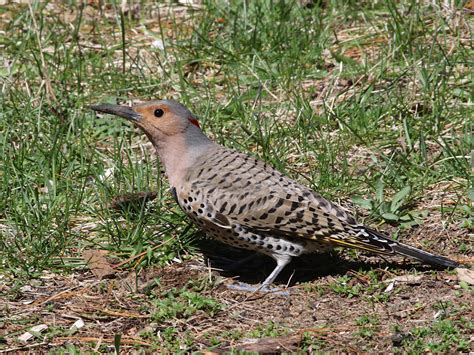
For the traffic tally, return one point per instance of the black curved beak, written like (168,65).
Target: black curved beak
(118,110)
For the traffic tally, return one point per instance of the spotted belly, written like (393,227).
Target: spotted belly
(241,237)
(238,236)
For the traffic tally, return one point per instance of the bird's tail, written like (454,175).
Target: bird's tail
(368,239)
(412,252)
(435,260)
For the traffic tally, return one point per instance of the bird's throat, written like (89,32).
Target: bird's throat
(178,155)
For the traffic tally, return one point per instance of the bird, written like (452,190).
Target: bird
(246,203)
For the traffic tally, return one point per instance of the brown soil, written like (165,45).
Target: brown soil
(310,305)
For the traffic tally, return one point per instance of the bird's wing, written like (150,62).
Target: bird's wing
(305,214)
(254,195)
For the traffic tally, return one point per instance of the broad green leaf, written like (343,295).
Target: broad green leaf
(390,216)
(470,194)
(399,198)
(379,190)
(362,202)
(406,217)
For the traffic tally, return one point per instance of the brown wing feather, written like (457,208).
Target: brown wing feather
(258,197)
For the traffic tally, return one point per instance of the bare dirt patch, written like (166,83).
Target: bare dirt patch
(343,305)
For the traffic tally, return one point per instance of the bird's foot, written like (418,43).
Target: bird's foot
(244,287)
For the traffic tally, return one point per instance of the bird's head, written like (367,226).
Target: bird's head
(159,119)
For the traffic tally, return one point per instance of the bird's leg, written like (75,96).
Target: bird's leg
(282,261)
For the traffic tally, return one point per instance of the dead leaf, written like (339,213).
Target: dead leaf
(390,286)
(78,324)
(278,344)
(465,275)
(411,279)
(36,329)
(98,264)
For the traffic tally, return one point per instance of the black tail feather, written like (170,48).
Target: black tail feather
(412,252)
(424,256)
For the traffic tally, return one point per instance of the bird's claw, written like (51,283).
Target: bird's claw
(244,287)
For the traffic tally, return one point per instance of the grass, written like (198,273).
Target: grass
(368,103)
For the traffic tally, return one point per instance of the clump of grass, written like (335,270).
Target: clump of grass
(182,304)
(368,325)
(441,336)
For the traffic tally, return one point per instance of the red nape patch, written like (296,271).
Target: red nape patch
(194,122)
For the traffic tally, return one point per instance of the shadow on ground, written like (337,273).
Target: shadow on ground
(252,267)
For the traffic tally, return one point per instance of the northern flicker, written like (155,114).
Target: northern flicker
(245,202)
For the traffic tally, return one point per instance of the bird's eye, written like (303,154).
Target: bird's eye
(159,112)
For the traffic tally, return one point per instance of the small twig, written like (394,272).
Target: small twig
(111,312)
(124,340)
(56,296)
(140,255)
(290,278)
